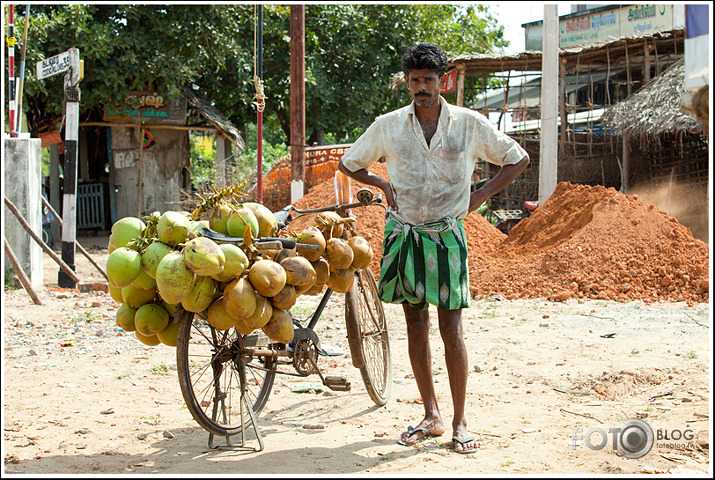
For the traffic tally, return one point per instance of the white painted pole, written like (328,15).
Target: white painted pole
(548,153)
(69,207)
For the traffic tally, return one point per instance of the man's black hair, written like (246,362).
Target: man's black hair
(425,55)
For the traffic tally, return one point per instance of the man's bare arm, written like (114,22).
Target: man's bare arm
(365,176)
(506,175)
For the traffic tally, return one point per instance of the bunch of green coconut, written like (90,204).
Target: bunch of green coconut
(157,265)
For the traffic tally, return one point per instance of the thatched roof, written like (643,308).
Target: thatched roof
(598,55)
(215,117)
(654,109)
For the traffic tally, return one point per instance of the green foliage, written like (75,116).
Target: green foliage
(247,162)
(351,52)
(202,163)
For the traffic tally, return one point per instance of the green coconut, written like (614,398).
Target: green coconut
(204,257)
(241,216)
(174,279)
(201,295)
(125,230)
(151,319)
(235,262)
(136,297)
(218,218)
(169,335)
(144,280)
(149,340)
(123,266)
(173,228)
(125,317)
(152,256)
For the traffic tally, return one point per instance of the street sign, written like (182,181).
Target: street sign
(53,65)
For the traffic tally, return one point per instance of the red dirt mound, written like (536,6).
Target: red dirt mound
(584,242)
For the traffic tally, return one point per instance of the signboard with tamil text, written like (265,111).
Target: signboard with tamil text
(147,107)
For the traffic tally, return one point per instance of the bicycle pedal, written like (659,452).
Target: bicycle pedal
(338,384)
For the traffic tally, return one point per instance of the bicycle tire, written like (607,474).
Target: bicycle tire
(365,321)
(210,372)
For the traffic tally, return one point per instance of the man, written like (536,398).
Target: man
(431,148)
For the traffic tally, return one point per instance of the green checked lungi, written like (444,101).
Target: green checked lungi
(425,264)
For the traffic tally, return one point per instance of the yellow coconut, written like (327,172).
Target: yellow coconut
(284,253)
(267,223)
(341,280)
(242,327)
(239,298)
(299,271)
(286,298)
(362,252)
(311,236)
(280,327)
(322,270)
(326,222)
(260,315)
(267,277)
(315,289)
(218,317)
(338,253)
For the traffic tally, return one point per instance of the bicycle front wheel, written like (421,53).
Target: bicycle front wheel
(212,366)
(368,337)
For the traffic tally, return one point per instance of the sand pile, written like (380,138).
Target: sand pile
(584,242)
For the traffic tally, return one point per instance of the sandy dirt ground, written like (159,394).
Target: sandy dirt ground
(80,396)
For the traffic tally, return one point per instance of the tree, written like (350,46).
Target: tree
(351,52)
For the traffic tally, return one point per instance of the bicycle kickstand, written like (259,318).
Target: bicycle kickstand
(244,403)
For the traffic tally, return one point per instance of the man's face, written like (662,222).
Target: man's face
(424,85)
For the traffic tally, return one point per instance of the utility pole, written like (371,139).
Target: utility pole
(297,101)
(260,104)
(548,152)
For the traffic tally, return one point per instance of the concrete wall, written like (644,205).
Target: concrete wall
(22,185)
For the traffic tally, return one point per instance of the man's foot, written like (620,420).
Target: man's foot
(415,434)
(464,444)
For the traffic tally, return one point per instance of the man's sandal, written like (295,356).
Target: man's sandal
(411,431)
(463,441)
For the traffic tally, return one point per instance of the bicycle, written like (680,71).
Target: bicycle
(226,378)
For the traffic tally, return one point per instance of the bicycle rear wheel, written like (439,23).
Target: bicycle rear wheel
(368,337)
(212,365)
